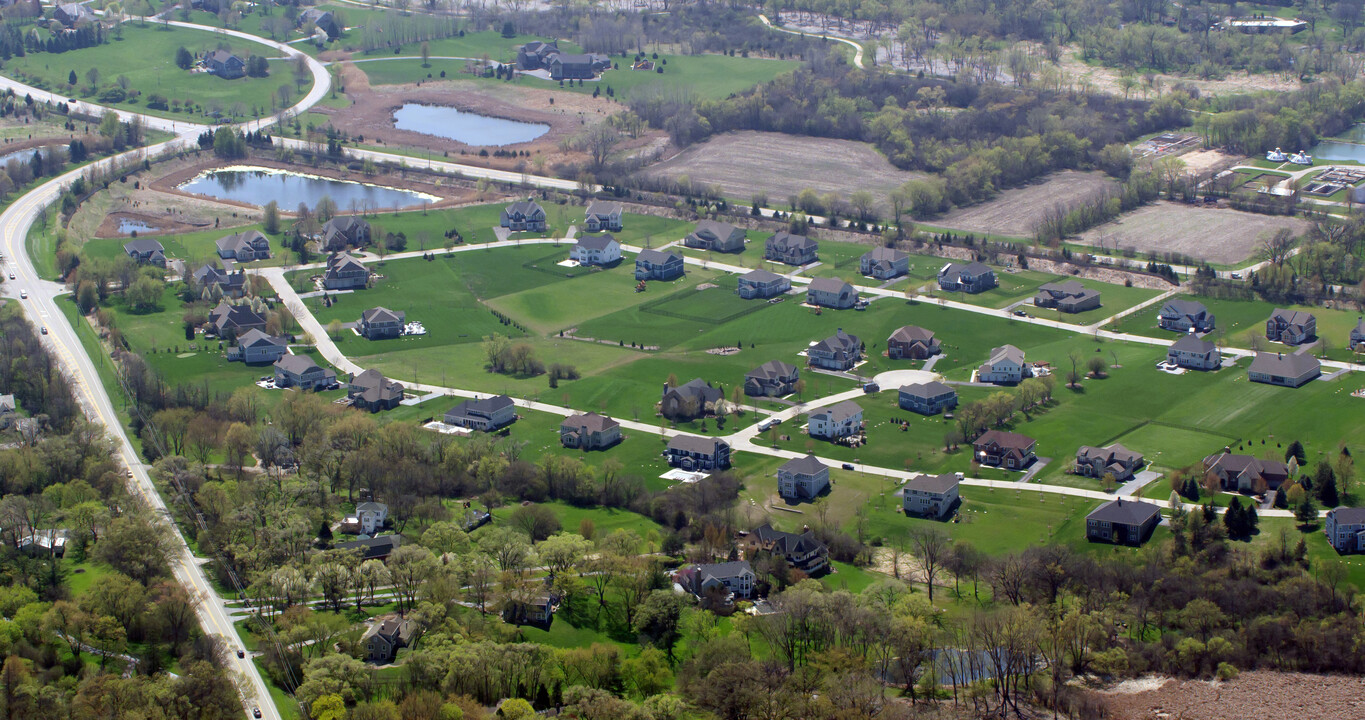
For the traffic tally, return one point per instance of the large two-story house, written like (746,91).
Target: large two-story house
(1067,297)
(229,280)
(911,342)
(487,414)
(693,452)
(589,431)
(721,582)
(344,231)
(345,272)
(1183,315)
(763,284)
(224,64)
(230,321)
(1291,327)
(691,400)
(1005,449)
(802,478)
(244,246)
(1115,460)
(256,348)
(771,379)
(933,496)
(716,236)
(1288,370)
(384,639)
(839,351)
(603,216)
(381,323)
(1357,339)
(929,398)
(301,372)
(835,422)
(1194,353)
(146,251)
(884,263)
(1246,473)
(1123,523)
(658,265)
(1345,528)
(831,293)
(596,250)
(785,247)
(973,277)
(802,552)
(372,391)
(1005,366)
(524,216)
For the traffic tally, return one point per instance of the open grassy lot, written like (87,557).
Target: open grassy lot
(196,248)
(1014,286)
(605,520)
(146,57)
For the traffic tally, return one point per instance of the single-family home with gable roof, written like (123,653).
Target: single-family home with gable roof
(244,246)
(532,55)
(1288,370)
(230,321)
(1182,315)
(839,351)
(146,251)
(771,379)
(933,496)
(1246,473)
(716,236)
(693,399)
(763,284)
(802,551)
(372,391)
(1291,327)
(693,452)
(345,272)
(589,431)
(727,580)
(802,478)
(8,408)
(487,414)
(1345,529)
(832,293)
(1124,523)
(658,265)
(225,65)
(912,342)
(930,398)
(381,323)
(603,215)
(1005,449)
(72,14)
(373,548)
(1115,460)
(596,250)
(574,66)
(1005,366)
(524,216)
(321,19)
(344,231)
(973,277)
(368,519)
(301,372)
(384,639)
(836,421)
(785,247)
(1067,297)
(1358,335)
(231,282)
(884,263)
(1194,352)
(255,347)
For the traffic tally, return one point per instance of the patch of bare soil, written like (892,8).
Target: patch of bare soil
(1017,211)
(160,224)
(1217,235)
(1203,162)
(1257,694)
(1109,80)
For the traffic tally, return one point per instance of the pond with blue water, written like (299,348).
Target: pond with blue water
(466,127)
(258,186)
(1334,150)
(128,226)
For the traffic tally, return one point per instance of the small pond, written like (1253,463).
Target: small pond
(22,156)
(1356,133)
(258,186)
(127,226)
(1334,151)
(466,127)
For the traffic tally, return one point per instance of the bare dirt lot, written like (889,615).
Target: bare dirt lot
(746,163)
(1016,211)
(1217,235)
(1255,694)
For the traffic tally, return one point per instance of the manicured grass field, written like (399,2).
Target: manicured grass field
(1012,287)
(605,520)
(1114,299)
(1239,321)
(146,57)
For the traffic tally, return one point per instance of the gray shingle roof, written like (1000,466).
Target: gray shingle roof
(808,465)
(1193,344)
(760,276)
(772,369)
(839,411)
(1124,513)
(1291,365)
(596,242)
(887,254)
(931,389)
(937,484)
(829,285)
(1348,515)
(696,444)
(911,333)
(589,422)
(656,257)
(297,364)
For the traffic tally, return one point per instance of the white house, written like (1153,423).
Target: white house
(836,421)
(596,250)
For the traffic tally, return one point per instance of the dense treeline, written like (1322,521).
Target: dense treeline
(695,29)
(19,39)
(1251,125)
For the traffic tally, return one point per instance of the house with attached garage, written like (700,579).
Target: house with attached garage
(720,581)
(345,272)
(224,64)
(1067,297)
(1005,449)
(839,351)
(381,323)
(576,66)
(1246,473)
(344,231)
(532,55)
(1123,523)
(1291,370)
(716,236)
(603,216)
(884,263)
(762,284)
(692,452)
(487,414)
(230,281)
(524,216)
(802,478)
(373,548)
(8,408)
(1115,460)
(1006,366)
(368,518)
(1358,335)
(372,391)
(970,278)
(589,431)
(929,398)
(1345,528)
(933,496)
(596,250)
(693,399)
(771,379)
(836,422)
(244,246)
(912,343)
(785,247)
(321,19)
(146,251)
(301,372)
(72,14)
(802,552)
(1183,315)
(256,348)
(1195,353)
(230,321)
(658,265)
(384,639)
(1291,327)
(831,293)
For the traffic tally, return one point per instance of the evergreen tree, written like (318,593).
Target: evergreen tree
(1295,450)
(71,79)
(1251,519)
(1306,512)
(1232,519)
(1327,492)
(1281,499)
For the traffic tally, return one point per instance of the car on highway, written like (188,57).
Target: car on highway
(255,712)
(44,329)
(11,276)
(23,294)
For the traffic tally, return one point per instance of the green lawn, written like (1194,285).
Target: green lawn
(1013,287)
(146,57)
(605,520)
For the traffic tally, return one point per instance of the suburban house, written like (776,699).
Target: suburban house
(72,14)
(692,399)
(658,265)
(1290,370)
(1124,523)
(929,398)
(531,606)
(255,347)
(1345,528)
(1246,473)
(1005,366)
(368,519)
(146,251)
(1182,315)
(577,66)
(596,250)
(832,293)
(1195,353)
(345,272)
(603,216)
(717,236)
(589,431)
(971,277)
(785,247)
(912,342)
(771,379)
(692,452)
(884,263)
(532,55)
(229,321)
(344,231)
(762,284)
(321,19)
(728,580)
(1067,297)
(301,372)
(1005,449)
(224,64)
(837,421)
(802,552)
(381,323)
(373,548)
(839,351)
(7,410)
(1115,460)
(802,478)
(1358,335)
(933,496)
(524,215)
(372,391)
(1291,327)
(244,246)
(488,414)
(51,542)
(230,282)
(383,640)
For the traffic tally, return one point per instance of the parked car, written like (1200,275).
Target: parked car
(848,466)
(23,294)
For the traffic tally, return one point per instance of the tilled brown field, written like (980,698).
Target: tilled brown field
(1017,211)
(746,163)
(1261,695)
(1218,235)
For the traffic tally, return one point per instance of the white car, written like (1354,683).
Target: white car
(23,294)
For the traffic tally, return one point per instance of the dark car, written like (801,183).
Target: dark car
(241,653)
(255,712)
(848,466)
